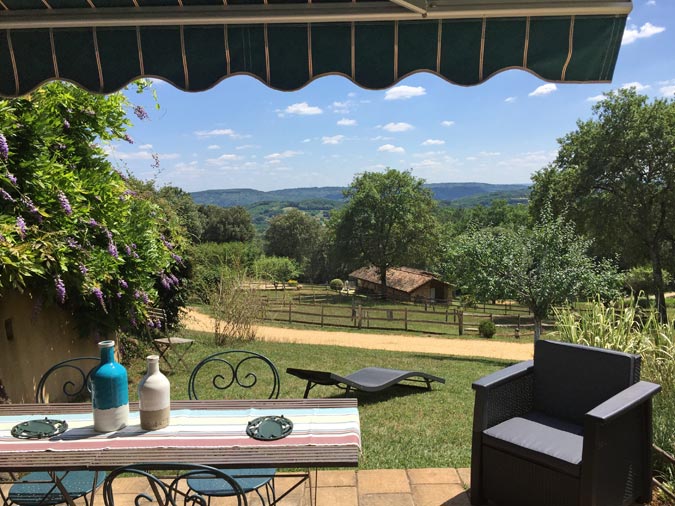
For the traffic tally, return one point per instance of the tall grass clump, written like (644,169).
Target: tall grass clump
(625,326)
(235,306)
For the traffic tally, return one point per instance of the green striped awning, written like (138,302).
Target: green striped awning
(103,44)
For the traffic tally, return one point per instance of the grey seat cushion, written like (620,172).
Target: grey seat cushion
(548,441)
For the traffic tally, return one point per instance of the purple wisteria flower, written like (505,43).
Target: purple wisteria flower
(166,282)
(66,124)
(99,296)
(124,284)
(65,205)
(168,245)
(11,177)
(128,138)
(72,243)
(140,112)
(118,295)
(60,289)
(93,222)
(177,258)
(4,148)
(21,226)
(83,269)
(127,249)
(112,249)
(174,279)
(2,238)
(151,324)
(6,196)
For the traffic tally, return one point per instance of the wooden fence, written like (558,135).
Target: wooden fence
(445,320)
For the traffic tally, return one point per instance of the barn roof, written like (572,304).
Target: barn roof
(404,279)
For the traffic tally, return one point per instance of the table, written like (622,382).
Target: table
(165,345)
(326,433)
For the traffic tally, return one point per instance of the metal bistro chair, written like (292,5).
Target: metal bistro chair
(38,488)
(250,372)
(145,488)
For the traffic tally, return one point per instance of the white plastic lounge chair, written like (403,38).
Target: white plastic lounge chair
(370,379)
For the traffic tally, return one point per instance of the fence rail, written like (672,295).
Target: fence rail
(450,321)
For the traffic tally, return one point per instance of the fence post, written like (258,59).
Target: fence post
(359,316)
(460,318)
(290,312)
(446,314)
(405,319)
(322,306)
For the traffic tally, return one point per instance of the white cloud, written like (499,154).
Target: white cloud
(335,139)
(404,92)
(305,141)
(247,146)
(510,100)
(397,127)
(284,154)
(145,155)
(489,153)
(638,86)
(530,160)
(218,132)
(595,98)
(447,123)
(223,159)
(347,122)
(390,148)
(651,3)
(213,146)
(145,146)
(544,89)
(633,33)
(351,94)
(303,109)
(668,91)
(433,142)
(381,138)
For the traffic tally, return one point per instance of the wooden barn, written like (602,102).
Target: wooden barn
(403,283)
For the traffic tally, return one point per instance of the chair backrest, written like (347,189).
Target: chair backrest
(570,380)
(245,374)
(168,491)
(67,381)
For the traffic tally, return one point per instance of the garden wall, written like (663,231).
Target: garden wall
(32,341)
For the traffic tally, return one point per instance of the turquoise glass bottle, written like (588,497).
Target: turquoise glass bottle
(109,391)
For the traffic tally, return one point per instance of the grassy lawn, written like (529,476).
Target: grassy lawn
(401,427)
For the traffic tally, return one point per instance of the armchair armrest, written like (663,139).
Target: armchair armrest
(623,402)
(503,376)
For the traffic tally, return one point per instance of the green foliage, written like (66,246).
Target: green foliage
(336,285)
(498,214)
(388,221)
(207,260)
(231,224)
(545,266)
(276,269)
(614,177)
(72,231)
(641,279)
(487,329)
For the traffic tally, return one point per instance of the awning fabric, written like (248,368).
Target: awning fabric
(104,44)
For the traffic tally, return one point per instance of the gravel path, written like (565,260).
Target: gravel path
(194,320)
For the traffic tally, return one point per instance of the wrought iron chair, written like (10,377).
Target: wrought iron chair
(242,373)
(166,491)
(39,488)
(571,428)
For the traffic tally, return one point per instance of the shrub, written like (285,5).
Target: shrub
(292,283)
(336,285)
(487,328)
(236,307)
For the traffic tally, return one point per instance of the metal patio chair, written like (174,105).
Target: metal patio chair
(246,371)
(138,481)
(39,488)
(571,428)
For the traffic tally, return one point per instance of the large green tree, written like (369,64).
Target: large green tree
(389,220)
(614,176)
(226,224)
(293,234)
(73,232)
(539,267)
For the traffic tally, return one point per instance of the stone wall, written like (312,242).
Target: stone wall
(32,341)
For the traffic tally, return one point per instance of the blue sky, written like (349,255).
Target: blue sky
(242,134)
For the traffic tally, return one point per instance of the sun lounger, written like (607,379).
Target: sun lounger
(370,379)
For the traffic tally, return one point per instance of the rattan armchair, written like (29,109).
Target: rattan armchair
(571,428)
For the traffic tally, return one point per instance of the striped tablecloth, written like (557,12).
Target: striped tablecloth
(190,428)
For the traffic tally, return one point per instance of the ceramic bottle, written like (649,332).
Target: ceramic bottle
(109,391)
(154,395)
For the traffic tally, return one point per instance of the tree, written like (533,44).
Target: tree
(293,234)
(276,269)
(615,177)
(226,224)
(73,232)
(388,221)
(542,267)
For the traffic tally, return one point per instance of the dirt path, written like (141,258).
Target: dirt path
(194,320)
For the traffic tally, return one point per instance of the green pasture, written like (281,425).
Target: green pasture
(401,427)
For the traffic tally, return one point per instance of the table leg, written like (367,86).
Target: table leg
(64,493)
(181,355)
(163,349)
(313,484)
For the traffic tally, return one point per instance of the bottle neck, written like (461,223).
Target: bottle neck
(153,366)
(107,355)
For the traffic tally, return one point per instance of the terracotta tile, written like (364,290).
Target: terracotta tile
(336,479)
(465,475)
(438,494)
(383,481)
(386,500)
(433,475)
(337,496)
